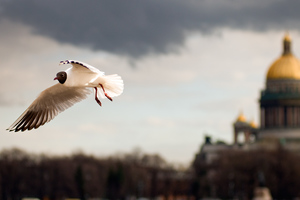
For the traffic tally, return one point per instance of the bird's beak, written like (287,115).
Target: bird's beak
(55,78)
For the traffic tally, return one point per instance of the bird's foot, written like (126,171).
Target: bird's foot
(96,97)
(108,97)
(98,101)
(105,93)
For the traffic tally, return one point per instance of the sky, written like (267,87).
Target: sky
(189,68)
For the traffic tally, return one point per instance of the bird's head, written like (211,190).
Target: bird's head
(61,77)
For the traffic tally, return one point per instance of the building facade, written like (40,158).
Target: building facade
(280,100)
(279,111)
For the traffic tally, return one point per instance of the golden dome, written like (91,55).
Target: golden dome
(287,66)
(241,118)
(252,124)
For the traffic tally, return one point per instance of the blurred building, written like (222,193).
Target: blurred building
(248,130)
(280,101)
(279,112)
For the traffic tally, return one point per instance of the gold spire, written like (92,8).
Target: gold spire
(287,44)
(287,37)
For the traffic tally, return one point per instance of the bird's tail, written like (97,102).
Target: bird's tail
(112,84)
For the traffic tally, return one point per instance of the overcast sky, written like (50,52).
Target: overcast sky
(189,68)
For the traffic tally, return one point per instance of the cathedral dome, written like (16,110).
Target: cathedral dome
(241,118)
(287,66)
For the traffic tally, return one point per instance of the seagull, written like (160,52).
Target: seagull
(73,86)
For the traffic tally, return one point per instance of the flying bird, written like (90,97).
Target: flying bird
(74,85)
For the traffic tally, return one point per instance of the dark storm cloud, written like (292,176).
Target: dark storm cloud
(137,27)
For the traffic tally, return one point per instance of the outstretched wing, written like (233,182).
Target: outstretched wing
(48,104)
(79,64)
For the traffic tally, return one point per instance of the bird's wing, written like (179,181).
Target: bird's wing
(79,64)
(48,104)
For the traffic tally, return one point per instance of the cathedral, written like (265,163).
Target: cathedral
(279,110)
(279,102)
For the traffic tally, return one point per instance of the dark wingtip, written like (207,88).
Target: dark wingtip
(64,62)
(73,62)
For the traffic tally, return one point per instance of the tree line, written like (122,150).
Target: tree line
(233,175)
(85,176)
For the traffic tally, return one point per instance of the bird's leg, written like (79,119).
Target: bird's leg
(96,97)
(105,92)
